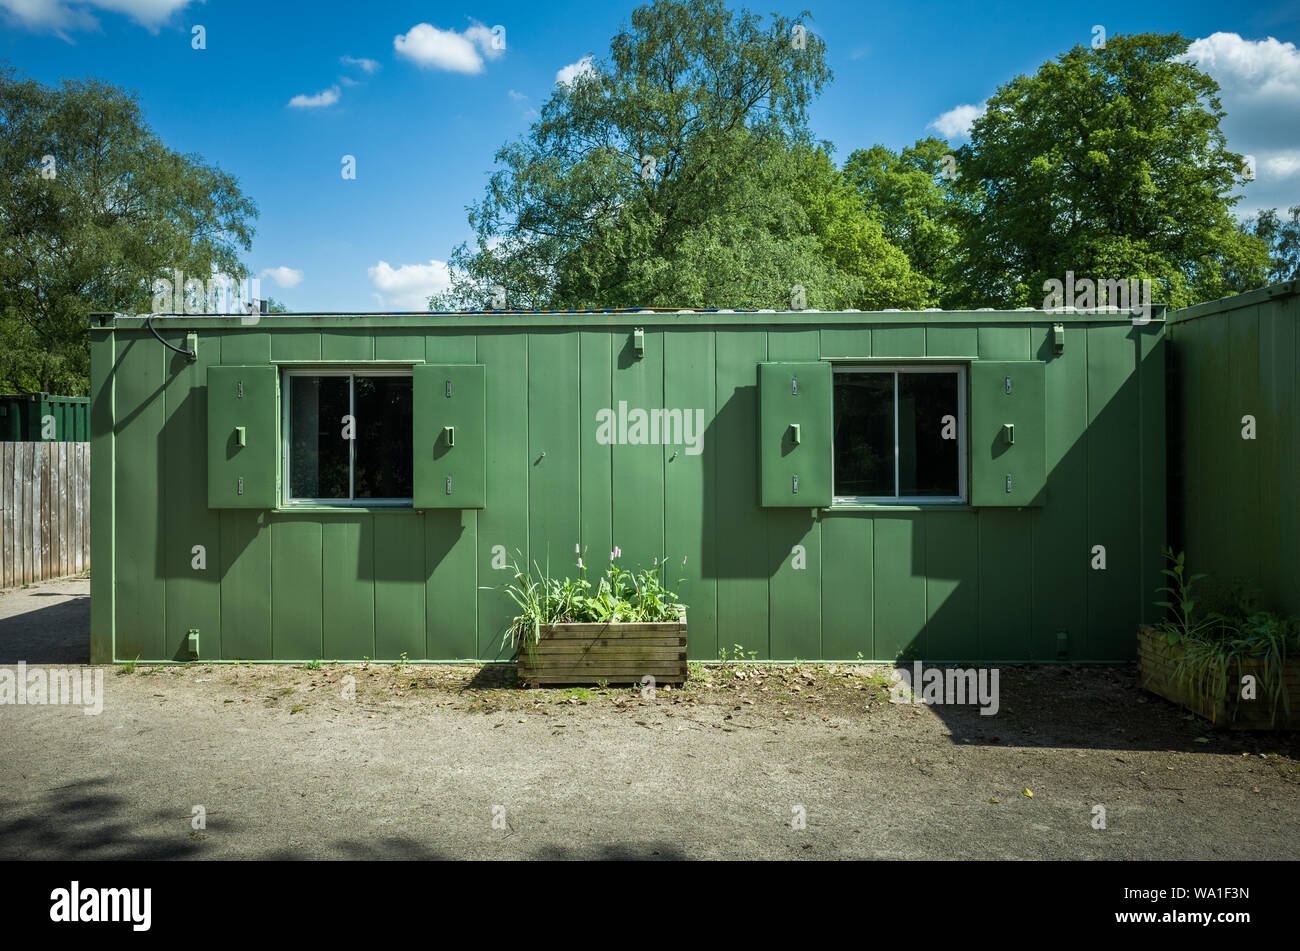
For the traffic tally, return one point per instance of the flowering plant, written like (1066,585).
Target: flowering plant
(618,595)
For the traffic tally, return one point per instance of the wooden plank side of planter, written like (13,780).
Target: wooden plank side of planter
(614,630)
(582,645)
(628,654)
(623,653)
(614,673)
(1158,672)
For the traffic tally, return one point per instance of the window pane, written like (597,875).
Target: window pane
(864,434)
(383,411)
(927,463)
(318,453)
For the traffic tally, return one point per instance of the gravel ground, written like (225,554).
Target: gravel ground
(422,762)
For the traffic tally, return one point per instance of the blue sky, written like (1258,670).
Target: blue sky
(425,113)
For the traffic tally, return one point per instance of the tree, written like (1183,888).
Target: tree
(680,172)
(1282,237)
(911,192)
(93,209)
(869,271)
(1109,163)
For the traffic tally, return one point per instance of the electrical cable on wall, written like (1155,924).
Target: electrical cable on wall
(148,322)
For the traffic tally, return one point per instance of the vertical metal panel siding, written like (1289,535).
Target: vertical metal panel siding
(1234,500)
(961,585)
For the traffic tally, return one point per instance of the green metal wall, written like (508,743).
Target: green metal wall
(22,417)
(1233,501)
(958,584)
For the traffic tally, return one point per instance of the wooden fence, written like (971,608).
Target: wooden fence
(44,510)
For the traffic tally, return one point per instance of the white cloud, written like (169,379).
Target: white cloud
(956,122)
(571,72)
(326,97)
(516,96)
(432,48)
(491,40)
(366,65)
(1260,88)
(1280,165)
(1259,82)
(284,276)
(61,16)
(408,286)
(1266,68)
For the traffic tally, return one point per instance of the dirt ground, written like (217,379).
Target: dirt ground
(744,761)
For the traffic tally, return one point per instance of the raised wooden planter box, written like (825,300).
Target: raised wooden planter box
(1158,672)
(618,653)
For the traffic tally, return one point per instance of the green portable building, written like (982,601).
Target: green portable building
(43,417)
(945,486)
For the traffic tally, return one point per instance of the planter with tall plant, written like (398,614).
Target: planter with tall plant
(1229,662)
(626,627)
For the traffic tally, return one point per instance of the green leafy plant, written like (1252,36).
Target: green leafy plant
(619,595)
(1179,626)
(1217,645)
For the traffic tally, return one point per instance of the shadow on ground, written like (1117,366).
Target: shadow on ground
(55,634)
(1096,707)
(88,820)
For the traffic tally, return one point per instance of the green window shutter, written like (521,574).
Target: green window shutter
(1007,446)
(243,437)
(450,444)
(795,418)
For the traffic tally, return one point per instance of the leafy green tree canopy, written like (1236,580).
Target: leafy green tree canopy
(1109,163)
(680,172)
(1281,234)
(93,209)
(911,193)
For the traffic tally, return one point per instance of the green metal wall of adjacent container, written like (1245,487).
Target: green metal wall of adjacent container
(43,417)
(1063,456)
(1235,441)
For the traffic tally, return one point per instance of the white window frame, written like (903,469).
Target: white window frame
(896,368)
(351,372)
